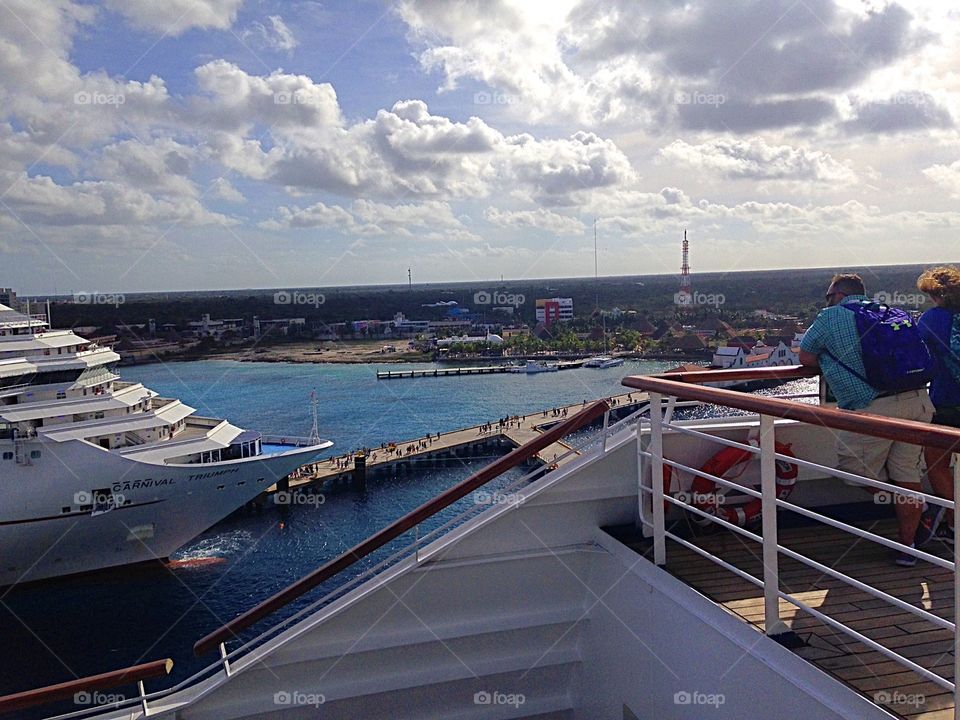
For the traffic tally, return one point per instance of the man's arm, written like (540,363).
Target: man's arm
(813,343)
(809,359)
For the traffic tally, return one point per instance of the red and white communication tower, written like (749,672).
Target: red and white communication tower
(686,287)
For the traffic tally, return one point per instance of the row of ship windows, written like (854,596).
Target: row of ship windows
(34,454)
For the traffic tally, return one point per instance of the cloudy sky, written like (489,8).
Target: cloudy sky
(190,144)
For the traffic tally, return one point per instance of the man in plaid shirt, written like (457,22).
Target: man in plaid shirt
(833,337)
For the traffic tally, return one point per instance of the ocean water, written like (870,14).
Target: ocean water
(75,627)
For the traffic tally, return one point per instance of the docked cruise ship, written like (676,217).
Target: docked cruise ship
(96,472)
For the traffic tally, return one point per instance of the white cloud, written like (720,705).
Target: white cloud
(946,176)
(540,219)
(173,17)
(754,159)
(274,35)
(163,166)
(98,203)
(430,220)
(222,189)
(235,99)
(626,62)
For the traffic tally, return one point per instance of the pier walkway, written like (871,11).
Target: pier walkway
(512,432)
(468,370)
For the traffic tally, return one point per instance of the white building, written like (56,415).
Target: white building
(282,326)
(457,340)
(551,310)
(733,358)
(207,328)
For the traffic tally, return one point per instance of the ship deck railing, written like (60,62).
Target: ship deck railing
(249,648)
(766,592)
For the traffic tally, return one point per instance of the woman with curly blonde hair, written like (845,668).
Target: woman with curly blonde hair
(940,327)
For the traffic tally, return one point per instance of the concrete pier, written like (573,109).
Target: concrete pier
(444,447)
(470,370)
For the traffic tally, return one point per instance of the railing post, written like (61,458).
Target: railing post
(223,658)
(671,406)
(644,498)
(143,697)
(768,492)
(656,478)
(606,424)
(956,596)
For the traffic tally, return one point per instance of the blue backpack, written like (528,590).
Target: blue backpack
(895,357)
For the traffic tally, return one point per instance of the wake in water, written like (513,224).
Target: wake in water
(211,550)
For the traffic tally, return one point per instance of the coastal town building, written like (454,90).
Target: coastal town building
(8,297)
(216,329)
(280,326)
(468,339)
(404,327)
(733,357)
(551,310)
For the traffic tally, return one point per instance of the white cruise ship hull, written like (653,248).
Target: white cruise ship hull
(44,533)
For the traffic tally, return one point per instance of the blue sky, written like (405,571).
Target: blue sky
(197,144)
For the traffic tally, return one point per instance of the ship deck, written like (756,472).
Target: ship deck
(884,681)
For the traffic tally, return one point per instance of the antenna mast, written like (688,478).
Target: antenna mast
(596,267)
(685,284)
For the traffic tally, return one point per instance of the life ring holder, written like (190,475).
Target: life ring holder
(705,493)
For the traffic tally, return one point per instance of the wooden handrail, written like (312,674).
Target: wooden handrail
(400,526)
(782,372)
(93,683)
(908,431)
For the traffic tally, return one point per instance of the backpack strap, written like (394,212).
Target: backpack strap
(841,363)
(846,367)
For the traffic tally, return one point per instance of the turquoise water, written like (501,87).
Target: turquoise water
(78,627)
(357,410)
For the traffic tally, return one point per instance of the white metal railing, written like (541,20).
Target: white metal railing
(229,661)
(651,464)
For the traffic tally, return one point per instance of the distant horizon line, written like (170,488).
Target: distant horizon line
(408,286)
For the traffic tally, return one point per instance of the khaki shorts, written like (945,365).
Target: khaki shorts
(880,459)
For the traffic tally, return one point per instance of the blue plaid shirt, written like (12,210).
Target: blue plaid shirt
(835,329)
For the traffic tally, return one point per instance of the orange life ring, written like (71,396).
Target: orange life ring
(730,457)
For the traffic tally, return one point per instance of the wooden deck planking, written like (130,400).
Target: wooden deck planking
(880,679)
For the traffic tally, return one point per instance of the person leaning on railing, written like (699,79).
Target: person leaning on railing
(940,327)
(833,343)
